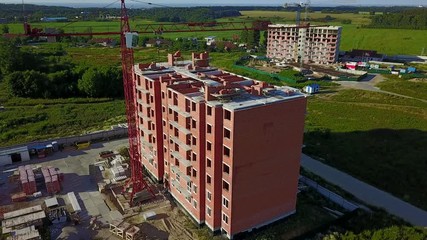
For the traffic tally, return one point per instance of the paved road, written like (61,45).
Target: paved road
(366,192)
(370,85)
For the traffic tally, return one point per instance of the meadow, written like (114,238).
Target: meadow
(375,137)
(414,88)
(25,120)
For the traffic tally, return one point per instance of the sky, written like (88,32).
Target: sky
(131,4)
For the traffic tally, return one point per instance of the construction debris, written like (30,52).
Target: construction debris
(124,230)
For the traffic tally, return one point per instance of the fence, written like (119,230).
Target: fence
(276,76)
(92,137)
(380,71)
(354,79)
(330,195)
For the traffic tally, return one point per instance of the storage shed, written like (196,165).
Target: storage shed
(312,88)
(14,155)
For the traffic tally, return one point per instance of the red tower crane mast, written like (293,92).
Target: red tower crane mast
(137,179)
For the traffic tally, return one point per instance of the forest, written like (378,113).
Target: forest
(408,19)
(197,14)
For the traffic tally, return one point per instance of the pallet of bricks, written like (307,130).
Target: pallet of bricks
(26,177)
(52,180)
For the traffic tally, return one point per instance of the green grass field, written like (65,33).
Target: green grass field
(413,88)
(378,138)
(289,17)
(25,121)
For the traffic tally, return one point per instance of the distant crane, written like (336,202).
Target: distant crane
(299,7)
(300,38)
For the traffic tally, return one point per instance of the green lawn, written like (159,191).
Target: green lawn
(24,123)
(387,41)
(413,88)
(375,137)
(289,17)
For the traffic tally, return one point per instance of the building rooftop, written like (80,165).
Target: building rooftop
(311,26)
(8,223)
(233,92)
(21,212)
(13,150)
(51,202)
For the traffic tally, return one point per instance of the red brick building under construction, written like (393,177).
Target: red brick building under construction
(226,147)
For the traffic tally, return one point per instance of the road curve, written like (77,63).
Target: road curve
(366,192)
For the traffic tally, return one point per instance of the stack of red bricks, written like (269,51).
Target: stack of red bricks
(27,179)
(51,179)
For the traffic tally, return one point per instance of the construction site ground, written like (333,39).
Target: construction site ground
(169,223)
(322,70)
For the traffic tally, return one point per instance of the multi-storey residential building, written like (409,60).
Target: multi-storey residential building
(286,42)
(226,147)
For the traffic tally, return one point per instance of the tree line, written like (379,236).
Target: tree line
(51,74)
(194,14)
(408,19)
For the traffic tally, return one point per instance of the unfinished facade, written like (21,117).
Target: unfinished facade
(226,147)
(321,45)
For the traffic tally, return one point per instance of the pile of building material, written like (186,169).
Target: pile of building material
(55,213)
(26,177)
(19,197)
(52,179)
(124,230)
(21,223)
(118,173)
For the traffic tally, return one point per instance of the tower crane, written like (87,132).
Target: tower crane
(137,182)
(299,7)
(300,37)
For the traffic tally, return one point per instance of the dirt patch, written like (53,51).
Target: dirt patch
(169,223)
(423,80)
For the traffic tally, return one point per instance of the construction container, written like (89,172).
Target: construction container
(411,70)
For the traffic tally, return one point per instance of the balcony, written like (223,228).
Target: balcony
(179,111)
(144,117)
(141,89)
(146,131)
(146,144)
(181,144)
(178,187)
(181,160)
(148,156)
(142,103)
(175,170)
(179,127)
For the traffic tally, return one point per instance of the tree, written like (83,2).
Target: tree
(244,36)
(32,84)
(62,84)
(10,57)
(101,82)
(5,29)
(91,83)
